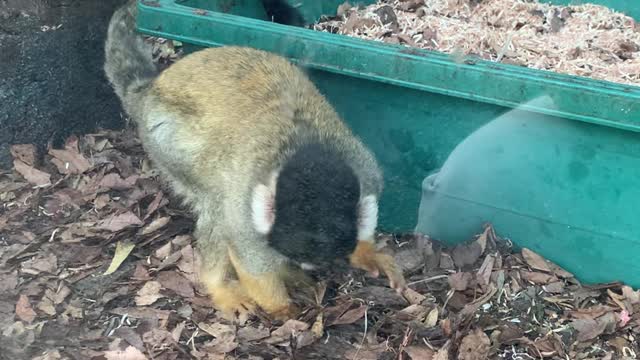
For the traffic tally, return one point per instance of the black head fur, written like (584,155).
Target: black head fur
(316,206)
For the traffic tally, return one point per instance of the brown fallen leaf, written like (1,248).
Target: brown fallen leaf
(467,254)
(556,287)
(158,202)
(130,353)
(217,329)
(539,263)
(25,153)
(156,224)
(249,333)
(290,327)
(419,352)
(474,346)
(537,277)
(69,162)
(632,296)
(116,182)
(412,296)
(187,260)
(350,316)
(43,263)
(432,318)
(460,281)
(31,174)
(118,222)
(177,283)
(589,329)
(177,331)
(130,336)
(163,251)
(24,311)
(8,281)
(46,306)
(484,273)
(101,201)
(149,293)
(443,352)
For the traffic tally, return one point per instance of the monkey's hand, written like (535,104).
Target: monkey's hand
(368,258)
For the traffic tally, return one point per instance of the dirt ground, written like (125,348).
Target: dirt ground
(95,206)
(51,78)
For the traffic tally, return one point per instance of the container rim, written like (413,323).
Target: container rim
(574,97)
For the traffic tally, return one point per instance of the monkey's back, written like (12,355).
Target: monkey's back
(220,117)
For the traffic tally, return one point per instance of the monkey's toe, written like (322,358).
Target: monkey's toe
(232,301)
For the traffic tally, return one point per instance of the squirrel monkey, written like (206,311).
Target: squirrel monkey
(277,181)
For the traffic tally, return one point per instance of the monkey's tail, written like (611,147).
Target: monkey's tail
(129,65)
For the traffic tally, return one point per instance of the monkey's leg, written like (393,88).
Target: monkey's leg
(368,258)
(226,293)
(266,288)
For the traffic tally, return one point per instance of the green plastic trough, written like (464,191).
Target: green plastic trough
(553,161)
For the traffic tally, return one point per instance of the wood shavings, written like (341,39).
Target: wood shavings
(585,40)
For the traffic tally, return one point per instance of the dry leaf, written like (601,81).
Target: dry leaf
(460,281)
(39,264)
(474,346)
(537,277)
(419,352)
(249,333)
(31,174)
(130,336)
(130,353)
(632,296)
(25,153)
(163,251)
(589,329)
(432,318)
(118,222)
(289,328)
(538,262)
(46,306)
(177,331)
(413,297)
(24,311)
(177,283)
(156,225)
(216,329)
(149,293)
(484,273)
(116,182)
(351,316)
(412,312)
(123,249)
(466,254)
(69,161)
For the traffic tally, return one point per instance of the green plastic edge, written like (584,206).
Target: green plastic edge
(577,98)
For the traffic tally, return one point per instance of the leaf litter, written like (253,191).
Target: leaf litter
(98,262)
(584,39)
(119,281)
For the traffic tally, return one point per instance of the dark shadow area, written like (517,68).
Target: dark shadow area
(51,79)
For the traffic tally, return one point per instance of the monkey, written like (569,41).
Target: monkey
(277,181)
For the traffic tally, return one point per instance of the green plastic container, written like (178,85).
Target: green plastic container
(553,161)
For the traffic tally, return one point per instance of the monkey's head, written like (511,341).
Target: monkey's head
(311,210)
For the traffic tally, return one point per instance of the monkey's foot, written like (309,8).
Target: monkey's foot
(368,258)
(232,301)
(269,292)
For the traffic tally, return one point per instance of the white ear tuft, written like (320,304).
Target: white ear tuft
(262,208)
(367,217)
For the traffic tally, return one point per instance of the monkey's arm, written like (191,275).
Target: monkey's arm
(370,259)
